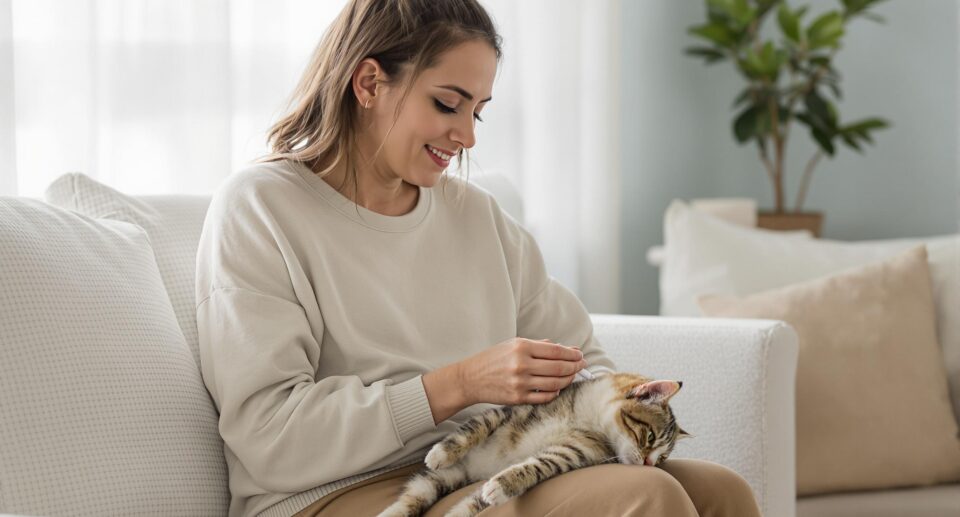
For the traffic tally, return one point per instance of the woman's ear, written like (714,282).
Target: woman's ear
(366,77)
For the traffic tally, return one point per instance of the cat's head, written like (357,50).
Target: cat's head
(647,429)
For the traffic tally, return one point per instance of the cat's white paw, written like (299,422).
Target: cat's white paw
(437,458)
(493,492)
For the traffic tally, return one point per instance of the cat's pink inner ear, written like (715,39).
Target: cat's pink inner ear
(658,391)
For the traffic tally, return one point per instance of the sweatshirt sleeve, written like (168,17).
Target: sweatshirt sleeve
(259,352)
(546,308)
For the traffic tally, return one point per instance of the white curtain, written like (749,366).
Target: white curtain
(148,96)
(171,96)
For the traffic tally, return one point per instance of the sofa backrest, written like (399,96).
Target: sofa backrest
(172,222)
(102,408)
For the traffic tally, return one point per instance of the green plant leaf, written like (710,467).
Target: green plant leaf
(855,7)
(869,124)
(745,125)
(823,140)
(751,65)
(874,17)
(825,30)
(863,128)
(763,6)
(820,60)
(852,142)
(822,110)
(711,55)
(789,23)
(737,13)
(716,33)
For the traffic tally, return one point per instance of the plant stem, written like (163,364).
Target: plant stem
(766,161)
(806,179)
(774,106)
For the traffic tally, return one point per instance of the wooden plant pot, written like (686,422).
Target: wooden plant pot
(812,221)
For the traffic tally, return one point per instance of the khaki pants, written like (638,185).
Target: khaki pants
(680,487)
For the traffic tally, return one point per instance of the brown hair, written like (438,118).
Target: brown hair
(321,122)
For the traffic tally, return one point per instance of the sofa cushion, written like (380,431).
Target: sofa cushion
(172,222)
(706,255)
(929,501)
(872,405)
(102,408)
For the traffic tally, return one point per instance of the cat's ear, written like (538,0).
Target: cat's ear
(682,434)
(655,392)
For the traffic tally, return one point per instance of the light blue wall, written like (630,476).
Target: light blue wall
(677,141)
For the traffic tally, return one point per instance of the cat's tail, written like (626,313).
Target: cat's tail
(425,488)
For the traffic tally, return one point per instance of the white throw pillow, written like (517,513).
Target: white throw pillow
(102,408)
(172,222)
(706,255)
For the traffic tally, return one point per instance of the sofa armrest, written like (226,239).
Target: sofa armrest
(738,391)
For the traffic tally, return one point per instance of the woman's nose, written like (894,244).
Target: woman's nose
(465,134)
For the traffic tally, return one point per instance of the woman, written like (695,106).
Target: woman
(351,314)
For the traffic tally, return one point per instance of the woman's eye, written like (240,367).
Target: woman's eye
(443,107)
(447,109)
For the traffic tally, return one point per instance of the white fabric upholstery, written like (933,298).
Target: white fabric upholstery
(703,254)
(172,222)
(102,408)
(738,375)
(737,396)
(706,255)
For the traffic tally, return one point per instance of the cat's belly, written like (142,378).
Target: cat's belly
(499,452)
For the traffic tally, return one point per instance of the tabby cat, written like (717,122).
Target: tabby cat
(618,417)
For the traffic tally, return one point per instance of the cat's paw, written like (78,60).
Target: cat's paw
(493,492)
(438,458)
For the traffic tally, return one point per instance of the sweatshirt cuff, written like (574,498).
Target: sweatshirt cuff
(410,408)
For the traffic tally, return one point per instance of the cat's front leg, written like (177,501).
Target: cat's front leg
(470,434)
(517,479)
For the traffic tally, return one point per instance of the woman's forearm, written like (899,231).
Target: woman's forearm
(444,392)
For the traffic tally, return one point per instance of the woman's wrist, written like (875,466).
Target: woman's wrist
(443,387)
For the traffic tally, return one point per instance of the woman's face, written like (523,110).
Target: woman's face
(439,114)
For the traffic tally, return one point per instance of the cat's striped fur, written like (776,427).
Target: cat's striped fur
(619,417)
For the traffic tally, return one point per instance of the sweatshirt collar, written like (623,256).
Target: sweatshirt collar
(361,215)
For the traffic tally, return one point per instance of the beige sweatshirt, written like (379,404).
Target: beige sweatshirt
(317,320)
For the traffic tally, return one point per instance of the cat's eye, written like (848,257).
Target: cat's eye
(651,437)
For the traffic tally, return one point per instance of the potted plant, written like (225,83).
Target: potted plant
(787,80)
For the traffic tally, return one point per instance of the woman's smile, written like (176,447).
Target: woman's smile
(435,157)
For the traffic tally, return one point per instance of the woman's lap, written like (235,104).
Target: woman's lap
(679,487)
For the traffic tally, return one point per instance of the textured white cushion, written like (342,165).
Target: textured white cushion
(706,255)
(172,222)
(102,408)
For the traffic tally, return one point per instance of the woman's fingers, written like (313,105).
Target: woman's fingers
(550,384)
(547,350)
(548,368)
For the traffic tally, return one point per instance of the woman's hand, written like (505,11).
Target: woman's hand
(510,372)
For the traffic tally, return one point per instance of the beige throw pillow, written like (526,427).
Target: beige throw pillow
(872,407)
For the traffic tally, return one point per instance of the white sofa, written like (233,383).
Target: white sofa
(103,411)
(703,254)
